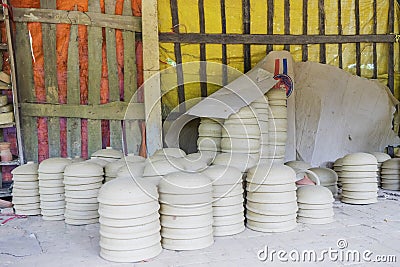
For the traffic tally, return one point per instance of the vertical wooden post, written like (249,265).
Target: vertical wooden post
(151,66)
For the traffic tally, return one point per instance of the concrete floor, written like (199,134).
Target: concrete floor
(34,242)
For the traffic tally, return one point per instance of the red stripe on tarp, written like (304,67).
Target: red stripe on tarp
(276,67)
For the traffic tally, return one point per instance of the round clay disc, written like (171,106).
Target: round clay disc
(186,221)
(228,230)
(129,256)
(186,233)
(187,244)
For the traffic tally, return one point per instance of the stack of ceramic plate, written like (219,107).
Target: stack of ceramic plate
(186,211)
(51,188)
(241,133)
(271,198)
(228,200)
(390,174)
(277,124)
(129,220)
(299,167)
(82,182)
(108,154)
(112,168)
(155,171)
(359,179)
(327,177)
(315,205)
(381,158)
(209,135)
(337,167)
(25,194)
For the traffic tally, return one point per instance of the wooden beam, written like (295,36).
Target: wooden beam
(151,66)
(262,39)
(109,111)
(129,23)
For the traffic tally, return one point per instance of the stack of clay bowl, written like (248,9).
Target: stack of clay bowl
(327,177)
(241,133)
(315,204)
(271,198)
(359,179)
(390,174)
(261,108)
(25,194)
(129,220)
(242,162)
(277,124)
(112,168)
(209,135)
(228,210)
(381,158)
(51,188)
(155,171)
(337,167)
(82,182)
(108,154)
(186,211)
(299,167)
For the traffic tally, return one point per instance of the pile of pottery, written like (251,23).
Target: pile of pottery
(381,158)
(337,167)
(112,168)
(243,162)
(82,182)
(241,133)
(271,198)
(228,209)
(108,154)
(186,211)
(359,179)
(155,171)
(129,220)
(25,194)
(277,124)
(261,108)
(315,204)
(390,174)
(51,188)
(327,177)
(209,135)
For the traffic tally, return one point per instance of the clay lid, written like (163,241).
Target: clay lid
(127,191)
(240,161)
(130,169)
(359,159)
(170,152)
(325,175)
(108,152)
(192,165)
(298,165)
(211,120)
(83,169)
(223,175)
(101,162)
(185,183)
(53,165)
(338,162)
(111,169)
(314,194)
(391,164)
(205,156)
(29,168)
(134,158)
(274,175)
(380,156)
(162,167)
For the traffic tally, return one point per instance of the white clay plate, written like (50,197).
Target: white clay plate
(129,256)
(228,230)
(188,244)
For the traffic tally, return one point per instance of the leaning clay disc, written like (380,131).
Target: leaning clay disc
(272,227)
(129,256)
(130,232)
(227,210)
(228,201)
(187,244)
(184,210)
(115,222)
(229,219)
(253,216)
(272,209)
(228,230)
(315,220)
(129,244)
(186,221)
(188,233)
(128,212)
(283,197)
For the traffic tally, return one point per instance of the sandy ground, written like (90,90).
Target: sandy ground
(375,228)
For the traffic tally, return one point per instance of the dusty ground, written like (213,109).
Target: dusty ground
(34,242)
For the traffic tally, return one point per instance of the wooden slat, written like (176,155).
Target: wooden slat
(246,30)
(94,19)
(109,111)
(374,31)
(340,32)
(358,47)
(50,71)
(151,67)
(203,56)
(73,94)
(287,21)
(131,130)
(113,83)
(270,21)
(25,81)
(321,27)
(224,51)
(94,68)
(194,38)
(391,47)
(304,48)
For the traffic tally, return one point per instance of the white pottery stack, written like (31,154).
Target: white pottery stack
(108,154)
(299,167)
(328,178)
(381,158)
(359,179)
(243,162)
(25,194)
(277,124)
(186,211)
(155,171)
(82,182)
(337,167)
(209,135)
(241,133)
(261,108)
(51,188)
(390,174)
(112,168)
(228,209)
(271,198)
(315,205)
(129,220)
